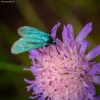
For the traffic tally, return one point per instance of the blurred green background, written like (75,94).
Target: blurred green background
(41,14)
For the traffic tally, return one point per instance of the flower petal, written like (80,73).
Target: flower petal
(88,43)
(33,53)
(54,30)
(90,96)
(97,98)
(80,96)
(36,90)
(70,31)
(85,84)
(95,69)
(83,47)
(91,88)
(28,81)
(93,53)
(58,42)
(85,91)
(41,98)
(96,79)
(33,97)
(84,32)
(85,98)
(33,69)
(65,35)
(30,87)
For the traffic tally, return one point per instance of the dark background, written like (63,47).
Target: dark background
(43,15)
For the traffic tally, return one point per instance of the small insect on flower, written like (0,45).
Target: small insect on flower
(32,38)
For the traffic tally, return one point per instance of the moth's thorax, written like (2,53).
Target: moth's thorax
(51,41)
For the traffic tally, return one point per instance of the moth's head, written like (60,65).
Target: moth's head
(50,41)
(53,42)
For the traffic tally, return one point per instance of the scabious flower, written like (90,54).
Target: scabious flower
(64,71)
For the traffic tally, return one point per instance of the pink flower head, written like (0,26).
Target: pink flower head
(64,71)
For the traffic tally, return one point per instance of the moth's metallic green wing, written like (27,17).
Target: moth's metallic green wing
(21,46)
(27,31)
(31,34)
(32,38)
